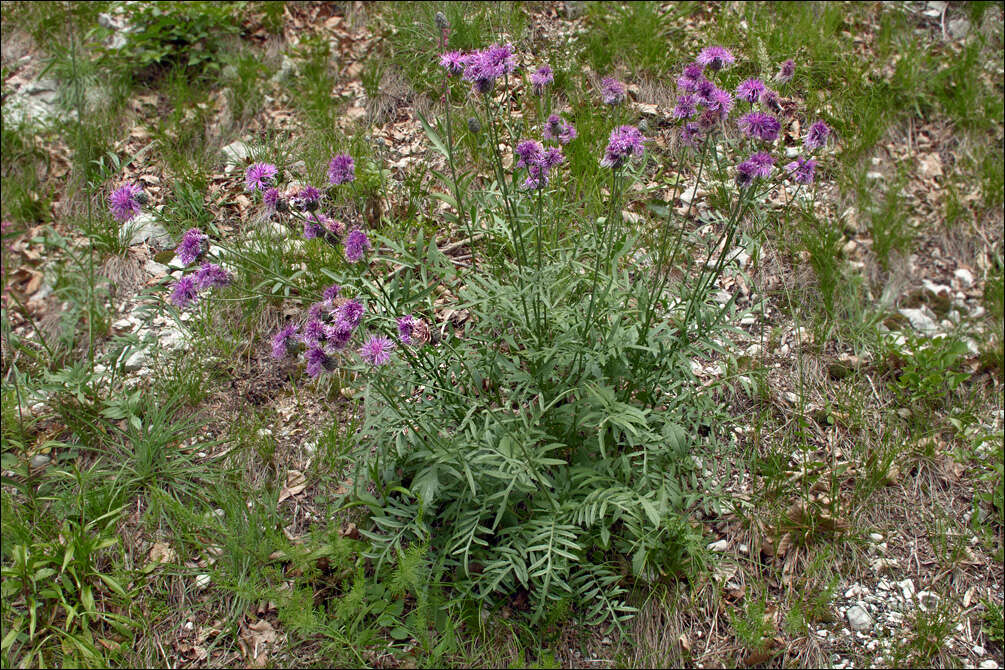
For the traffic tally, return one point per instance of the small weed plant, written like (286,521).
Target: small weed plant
(529,439)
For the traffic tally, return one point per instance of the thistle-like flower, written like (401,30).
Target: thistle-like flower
(612,91)
(816,136)
(341,169)
(126,201)
(377,350)
(356,244)
(715,58)
(541,78)
(801,170)
(194,243)
(760,126)
(259,176)
(625,142)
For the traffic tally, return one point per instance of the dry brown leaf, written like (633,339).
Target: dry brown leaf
(931,165)
(162,552)
(296,482)
(254,641)
(784,545)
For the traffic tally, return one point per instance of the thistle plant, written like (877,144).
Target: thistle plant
(543,444)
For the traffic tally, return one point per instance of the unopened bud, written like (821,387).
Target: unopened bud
(474,125)
(142,198)
(441,21)
(282,205)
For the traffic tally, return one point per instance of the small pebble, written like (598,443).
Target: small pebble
(875,537)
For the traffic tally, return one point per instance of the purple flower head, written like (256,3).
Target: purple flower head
(211,275)
(541,78)
(349,313)
(318,361)
(271,199)
(801,170)
(307,199)
(612,91)
(537,177)
(557,129)
(282,340)
(552,157)
(377,350)
(788,68)
(314,225)
(194,243)
(685,108)
(688,82)
(406,324)
(125,202)
(750,90)
(315,333)
(317,310)
(625,142)
(758,165)
(817,136)
(720,102)
(689,134)
(259,176)
(356,244)
(715,58)
(330,293)
(453,61)
(341,169)
(760,126)
(769,100)
(501,56)
(529,153)
(339,334)
(706,90)
(185,292)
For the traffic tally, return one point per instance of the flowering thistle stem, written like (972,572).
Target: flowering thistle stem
(465,221)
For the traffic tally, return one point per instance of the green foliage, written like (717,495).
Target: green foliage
(930,370)
(635,33)
(26,197)
(994,621)
(753,624)
(168,35)
(60,587)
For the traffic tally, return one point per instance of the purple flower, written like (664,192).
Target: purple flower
(314,225)
(281,341)
(541,78)
(720,102)
(537,177)
(706,90)
(715,58)
(341,169)
(356,244)
(334,226)
(211,275)
(259,176)
(612,91)
(307,199)
(750,90)
(501,56)
(406,324)
(453,61)
(377,350)
(125,201)
(529,153)
(760,126)
(339,335)
(688,82)
(685,108)
(788,69)
(758,165)
(271,199)
(193,244)
(625,142)
(552,158)
(185,292)
(802,170)
(557,129)
(315,333)
(317,310)
(317,361)
(817,136)
(349,313)
(689,134)
(330,293)
(769,99)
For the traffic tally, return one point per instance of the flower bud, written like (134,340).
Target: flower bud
(282,205)
(474,125)
(142,198)
(441,21)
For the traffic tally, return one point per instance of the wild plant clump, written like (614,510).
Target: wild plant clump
(541,444)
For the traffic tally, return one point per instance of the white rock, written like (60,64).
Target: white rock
(145,228)
(201,581)
(40,461)
(754,350)
(236,152)
(906,588)
(928,600)
(965,277)
(979,650)
(719,545)
(138,359)
(958,28)
(859,618)
(875,537)
(921,319)
(988,664)
(155,269)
